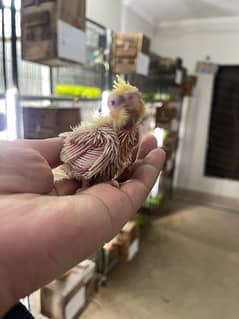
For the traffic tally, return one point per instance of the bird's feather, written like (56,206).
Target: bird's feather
(92,154)
(121,86)
(101,150)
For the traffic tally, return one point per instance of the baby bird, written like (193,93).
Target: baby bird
(101,151)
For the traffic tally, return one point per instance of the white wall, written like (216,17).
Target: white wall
(193,145)
(105,12)
(193,40)
(132,22)
(117,16)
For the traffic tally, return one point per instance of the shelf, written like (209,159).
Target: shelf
(35,98)
(162,101)
(27,98)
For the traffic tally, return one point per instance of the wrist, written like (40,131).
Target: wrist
(6,294)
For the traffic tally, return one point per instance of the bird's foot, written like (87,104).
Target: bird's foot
(114,183)
(84,185)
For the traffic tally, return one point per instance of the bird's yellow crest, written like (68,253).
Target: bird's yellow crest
(121,86)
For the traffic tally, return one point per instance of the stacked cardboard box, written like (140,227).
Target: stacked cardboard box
(106,259)
(67,297)
(122,248)
(189,83)
(45,122)
(171,141)
(131,53)
(128,241)
(169,146)
(165,114)
(53,31)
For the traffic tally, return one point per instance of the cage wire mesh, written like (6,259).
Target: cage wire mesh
(1,64)
(34,78)
(31,76)
(91,74)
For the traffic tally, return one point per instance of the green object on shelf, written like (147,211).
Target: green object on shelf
(162,96)
(166,134)
(158,97)
(154,201)
(78,91)
(140,220)
(148,96)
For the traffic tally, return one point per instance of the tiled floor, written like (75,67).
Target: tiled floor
(188,267)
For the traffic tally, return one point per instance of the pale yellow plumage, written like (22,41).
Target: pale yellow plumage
(100,151)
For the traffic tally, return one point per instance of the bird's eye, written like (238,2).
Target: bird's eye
(131,97)
(114,101)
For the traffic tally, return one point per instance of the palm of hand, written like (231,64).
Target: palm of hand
(42,236)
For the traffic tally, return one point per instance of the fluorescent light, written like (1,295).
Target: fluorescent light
(159,134)
(155,190)
(105,110)
(11,114)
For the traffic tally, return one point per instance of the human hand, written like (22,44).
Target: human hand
(43,236)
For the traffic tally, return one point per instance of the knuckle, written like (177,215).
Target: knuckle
(39,172)
(46,181)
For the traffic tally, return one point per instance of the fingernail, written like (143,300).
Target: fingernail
(156,156)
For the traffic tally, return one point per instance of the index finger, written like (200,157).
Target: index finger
(121,204)
(49,148)
(83,223)
(144,177)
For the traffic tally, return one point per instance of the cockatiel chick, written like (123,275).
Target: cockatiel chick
(102,150)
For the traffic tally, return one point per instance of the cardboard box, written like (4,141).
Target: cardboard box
(128,45)
(125,45)
(139,65)
(128,241)
(53,31)
(165,114)
(171,141)
(131,53)
(122,248)
(188,85)
(46,122)
(168,152)
(65,299)
(107,258)
(166,62)
(125,65)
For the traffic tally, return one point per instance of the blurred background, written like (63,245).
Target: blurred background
(178,258)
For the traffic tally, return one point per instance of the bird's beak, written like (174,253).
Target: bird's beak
(114,114)
(119,117)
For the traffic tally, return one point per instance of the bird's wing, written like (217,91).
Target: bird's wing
(90,151)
